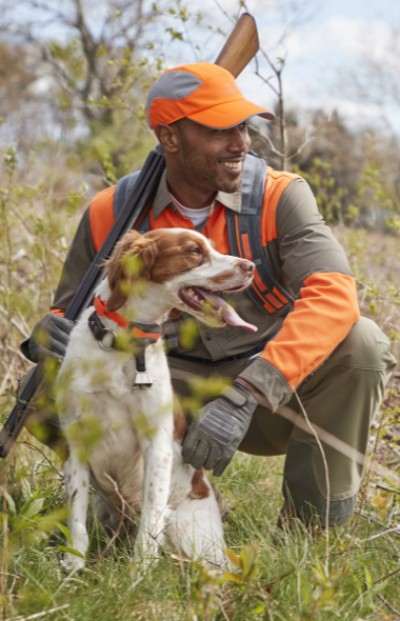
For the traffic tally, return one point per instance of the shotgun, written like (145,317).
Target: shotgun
(238,50)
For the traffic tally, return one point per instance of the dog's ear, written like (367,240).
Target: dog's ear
(174,313)
(132,259)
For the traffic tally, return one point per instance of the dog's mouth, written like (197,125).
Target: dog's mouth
(213,307)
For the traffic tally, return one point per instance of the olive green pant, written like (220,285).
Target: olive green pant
(324,428)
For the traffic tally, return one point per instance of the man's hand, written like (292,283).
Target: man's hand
(212,441)
(49,337)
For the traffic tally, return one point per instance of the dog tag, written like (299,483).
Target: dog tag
(142,380)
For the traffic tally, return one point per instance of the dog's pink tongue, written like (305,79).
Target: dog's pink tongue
(227,313)
(231,317)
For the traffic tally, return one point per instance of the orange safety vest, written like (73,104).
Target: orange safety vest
(245,234)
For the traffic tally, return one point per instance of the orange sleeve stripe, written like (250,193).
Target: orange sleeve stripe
(322,317)
(279,295)
(101,216)
(57,311)
(273,300)
(277,181)
(246,247)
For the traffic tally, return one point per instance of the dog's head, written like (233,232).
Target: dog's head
(182,269)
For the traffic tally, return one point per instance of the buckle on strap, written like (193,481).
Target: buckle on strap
(106,338)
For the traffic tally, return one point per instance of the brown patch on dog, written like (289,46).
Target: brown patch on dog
(180,427)
(161,256)
(119,270)
(176,254)
(223,278)
(180,422)
(174,314)
(199,487)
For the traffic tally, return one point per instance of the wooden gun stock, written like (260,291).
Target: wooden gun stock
(241,46)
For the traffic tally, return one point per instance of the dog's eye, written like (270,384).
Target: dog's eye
(195,251)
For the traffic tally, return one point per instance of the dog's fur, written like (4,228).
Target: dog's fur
(125,439)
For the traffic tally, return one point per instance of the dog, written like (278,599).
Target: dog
(115,396)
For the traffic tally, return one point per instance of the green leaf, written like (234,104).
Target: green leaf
(65,531)
(32,508)
(233,558)
(231,577)
(10,502)
(70,551)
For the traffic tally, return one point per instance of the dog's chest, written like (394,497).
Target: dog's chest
(137,377)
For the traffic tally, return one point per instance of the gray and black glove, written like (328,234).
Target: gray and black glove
(49,337)
(212,440)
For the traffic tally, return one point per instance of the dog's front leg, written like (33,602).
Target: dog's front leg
(157,452)
(76,478)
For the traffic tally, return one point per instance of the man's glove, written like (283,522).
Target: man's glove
(49,337)
(212,441)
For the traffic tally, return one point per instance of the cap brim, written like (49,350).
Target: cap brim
(229,114)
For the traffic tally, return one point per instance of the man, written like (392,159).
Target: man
(309,382)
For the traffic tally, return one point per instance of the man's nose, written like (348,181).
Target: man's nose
(239,139)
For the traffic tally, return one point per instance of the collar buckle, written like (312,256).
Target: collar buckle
(107,340)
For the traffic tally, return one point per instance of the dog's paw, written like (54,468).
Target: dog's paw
(146,552)
(72,563)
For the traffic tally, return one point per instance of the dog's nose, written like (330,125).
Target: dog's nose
(246,266)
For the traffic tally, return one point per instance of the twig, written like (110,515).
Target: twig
(389,605)
(33,447)
(38,615)
(395,529)
(123,515)
(326,473)
(386,488)
(23,330)
(7,377)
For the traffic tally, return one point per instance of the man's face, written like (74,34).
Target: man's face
(210,160)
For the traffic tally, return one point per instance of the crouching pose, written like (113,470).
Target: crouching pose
(312,356)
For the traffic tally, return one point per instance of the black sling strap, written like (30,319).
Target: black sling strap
(123,196)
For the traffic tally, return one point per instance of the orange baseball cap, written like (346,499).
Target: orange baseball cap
(203,92)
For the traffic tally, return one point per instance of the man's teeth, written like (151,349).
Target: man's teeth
(233,165)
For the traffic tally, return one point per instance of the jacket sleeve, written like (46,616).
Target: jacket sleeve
(79,258)
(314,266)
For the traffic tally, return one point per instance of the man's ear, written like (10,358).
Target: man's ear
(167,137)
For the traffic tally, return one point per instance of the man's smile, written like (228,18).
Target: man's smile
(234,166)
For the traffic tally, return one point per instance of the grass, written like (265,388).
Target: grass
(351,575)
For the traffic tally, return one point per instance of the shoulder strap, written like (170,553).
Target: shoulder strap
(122,197)
(244,233)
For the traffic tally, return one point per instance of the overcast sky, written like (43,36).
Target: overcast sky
(328,51)
(328,45)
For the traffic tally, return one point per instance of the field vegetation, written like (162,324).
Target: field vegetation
(60,143)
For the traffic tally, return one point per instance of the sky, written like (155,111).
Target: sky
(329,47)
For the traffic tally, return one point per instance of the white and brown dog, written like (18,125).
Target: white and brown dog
(115,382)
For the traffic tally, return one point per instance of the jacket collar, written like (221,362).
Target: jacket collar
(162,198)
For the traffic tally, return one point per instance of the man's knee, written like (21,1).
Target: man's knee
(365,347)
